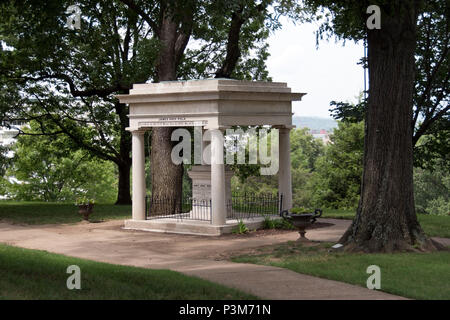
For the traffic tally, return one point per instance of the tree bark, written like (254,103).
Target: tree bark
(166,176)
(123,191)
(233,50)
(386,220)
(124,159)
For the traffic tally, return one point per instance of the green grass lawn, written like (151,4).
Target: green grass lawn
(433,225)
(49,213)
(413,275)
(32,274)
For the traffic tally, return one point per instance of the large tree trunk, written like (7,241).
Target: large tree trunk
(386,220)
(123,191)
(124,159)
(166,176)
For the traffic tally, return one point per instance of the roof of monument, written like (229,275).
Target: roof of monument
(202,89)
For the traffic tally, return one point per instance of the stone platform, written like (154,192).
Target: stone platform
(191,227)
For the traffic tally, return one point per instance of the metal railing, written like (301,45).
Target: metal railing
(248,206)
(241,206)
(176,208)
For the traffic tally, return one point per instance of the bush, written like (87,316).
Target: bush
(241,228)
(432,190)
(438,206)
(282,224)
(336,180)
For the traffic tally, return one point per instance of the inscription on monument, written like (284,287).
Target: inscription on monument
(201,191)
(172,122)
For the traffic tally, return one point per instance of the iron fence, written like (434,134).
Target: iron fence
(248,206)
(240,206)
(176,208)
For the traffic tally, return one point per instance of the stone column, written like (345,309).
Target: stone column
(206,157)
(284,171)
(138,169)
(218,199)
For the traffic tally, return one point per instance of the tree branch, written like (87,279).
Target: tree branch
(133,6)
(233,51)
(427,124)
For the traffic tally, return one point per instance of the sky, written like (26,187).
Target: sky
(329,72)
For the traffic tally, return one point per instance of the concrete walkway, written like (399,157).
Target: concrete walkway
(192,255)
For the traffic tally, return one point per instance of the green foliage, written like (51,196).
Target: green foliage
(84,201)
(4,159)
(305,150)
(270,223)
(336,182)
(47,169)
(433,149)
(431,114)
(348,112)
(345,19)
(66,79)
(330,176)
(432,190)
(439,206)
(301,210)
(241,228)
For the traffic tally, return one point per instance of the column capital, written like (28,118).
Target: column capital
(137,132)
(284,127)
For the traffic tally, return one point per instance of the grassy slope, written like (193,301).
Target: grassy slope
(433,225)
(32,274)
(413,275)
(44,213)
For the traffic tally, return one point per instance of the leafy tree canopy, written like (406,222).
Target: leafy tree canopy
(431,114)
(48,170)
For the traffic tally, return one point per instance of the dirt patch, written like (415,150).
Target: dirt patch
(255,233)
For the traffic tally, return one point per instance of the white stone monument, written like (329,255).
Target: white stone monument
(214,104)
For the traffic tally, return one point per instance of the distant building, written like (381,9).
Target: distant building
(8,133)
(318,127)
(7,136)
(321,134)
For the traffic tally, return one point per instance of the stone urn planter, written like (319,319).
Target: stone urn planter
(85,208)
(301,220)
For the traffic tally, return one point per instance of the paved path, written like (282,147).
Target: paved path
(193,255)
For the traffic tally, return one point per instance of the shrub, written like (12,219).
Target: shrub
(241,228)
(438,206)
(282,224)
